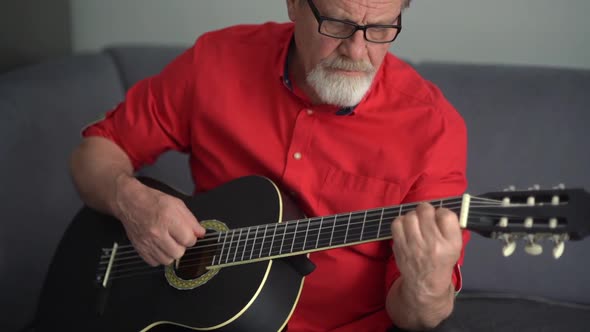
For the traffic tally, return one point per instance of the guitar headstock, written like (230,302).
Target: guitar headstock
(533,216)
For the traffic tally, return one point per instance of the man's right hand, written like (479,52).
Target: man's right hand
(159,226)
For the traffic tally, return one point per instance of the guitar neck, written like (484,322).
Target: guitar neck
(295,237)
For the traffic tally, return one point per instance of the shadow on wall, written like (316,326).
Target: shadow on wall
(32,31)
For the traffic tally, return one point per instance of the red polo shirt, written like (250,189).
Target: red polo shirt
(228,103)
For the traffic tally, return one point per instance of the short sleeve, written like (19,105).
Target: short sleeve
(155,115)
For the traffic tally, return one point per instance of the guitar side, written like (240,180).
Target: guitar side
(257,296)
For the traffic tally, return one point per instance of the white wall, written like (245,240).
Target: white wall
(535,32)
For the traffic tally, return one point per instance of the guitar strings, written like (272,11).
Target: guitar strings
(275,245)
(275,249)
(408,207)
(214,237)
(330,223)
(243,245)
(211,236)
(144,270)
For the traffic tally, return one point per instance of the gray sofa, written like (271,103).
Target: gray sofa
(527,125)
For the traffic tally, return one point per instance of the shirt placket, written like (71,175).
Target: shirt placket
(296,173)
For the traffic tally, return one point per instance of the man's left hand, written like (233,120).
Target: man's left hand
(427,243)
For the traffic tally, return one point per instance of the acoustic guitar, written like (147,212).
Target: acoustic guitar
(246,274)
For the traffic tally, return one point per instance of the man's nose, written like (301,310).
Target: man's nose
(355,47)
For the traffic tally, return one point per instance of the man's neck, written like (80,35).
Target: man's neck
(298,76)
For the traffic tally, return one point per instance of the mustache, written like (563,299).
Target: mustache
(341,63)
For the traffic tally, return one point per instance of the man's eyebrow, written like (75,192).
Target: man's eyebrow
(380,22)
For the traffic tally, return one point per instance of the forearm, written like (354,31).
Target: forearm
(100,171)
(411,309)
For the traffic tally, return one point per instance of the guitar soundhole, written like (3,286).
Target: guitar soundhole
(194,263)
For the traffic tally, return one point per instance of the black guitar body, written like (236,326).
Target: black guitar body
(250,297)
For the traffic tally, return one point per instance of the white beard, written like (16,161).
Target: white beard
(337,89)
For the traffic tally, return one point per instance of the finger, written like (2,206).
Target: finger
(412,232)
(397,231)
(169,247)
(160,256)
(148,258)
(190,219)
(427,222)
(183,234)
(448,224)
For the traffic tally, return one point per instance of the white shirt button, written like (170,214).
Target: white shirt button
(309,112)
(297,155)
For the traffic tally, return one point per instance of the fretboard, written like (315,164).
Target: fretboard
(295,237)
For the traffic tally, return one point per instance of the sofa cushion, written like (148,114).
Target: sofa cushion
(140,61)
(43,109)
(526,126)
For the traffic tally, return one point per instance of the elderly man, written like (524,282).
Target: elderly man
(320,106)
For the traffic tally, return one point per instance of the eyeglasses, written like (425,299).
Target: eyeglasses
(375,33)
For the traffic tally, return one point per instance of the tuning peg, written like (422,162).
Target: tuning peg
(508,248)
(510,188)
(509,244)
(533,248)
(559,186)
(558,249)
(535,187)
(503,222)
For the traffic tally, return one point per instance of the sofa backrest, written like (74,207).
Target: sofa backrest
(42,108)
(526,126)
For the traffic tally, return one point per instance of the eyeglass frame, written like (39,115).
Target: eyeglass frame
(320,19)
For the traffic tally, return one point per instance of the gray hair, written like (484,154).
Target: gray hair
(406,4)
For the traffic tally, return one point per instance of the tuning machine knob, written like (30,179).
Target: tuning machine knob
(559,186)
(532,247)
(535,187)
(510,188)
(559,246)
(508,248)
(558,249)
(509,244)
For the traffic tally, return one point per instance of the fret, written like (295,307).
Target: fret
(372,225)
(230,244)
(245,244)
(317,241)
(238,244)
(363,226)
(347,227)
(272,240)
(306,231)
(333,228)
(380,222)
(283,240)
(254,242)
(294,235)
(263,239)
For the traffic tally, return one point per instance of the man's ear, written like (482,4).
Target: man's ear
(292,6)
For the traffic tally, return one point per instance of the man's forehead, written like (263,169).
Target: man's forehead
(362,4)
(376,8)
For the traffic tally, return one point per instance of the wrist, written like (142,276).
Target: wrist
(431,287)
(412,309)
